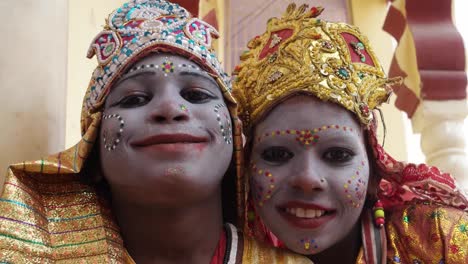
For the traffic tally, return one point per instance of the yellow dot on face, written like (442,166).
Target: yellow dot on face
(268,196)
(349,196)
(260,171)
(324,127)
(346,185)
(307,245)
(273,134)
(293,132)
(316,130)
(272,186)
(354,177)
(283,132)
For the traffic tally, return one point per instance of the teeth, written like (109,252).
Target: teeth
(300,212)
(310,213)
(305,213)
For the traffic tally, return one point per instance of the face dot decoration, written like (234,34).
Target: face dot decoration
(183,108)
(305,137)
(262,195)
(224,122)
(183,65)
(174,171)
(111,140)
(167,67)
(144,66)
(355,188)
(309,244)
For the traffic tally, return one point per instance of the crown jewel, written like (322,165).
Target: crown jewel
(301,53)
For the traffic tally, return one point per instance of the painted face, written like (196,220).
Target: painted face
(309,173)
(165,130)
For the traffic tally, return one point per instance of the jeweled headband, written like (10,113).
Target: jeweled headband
(301,53)
(142,26)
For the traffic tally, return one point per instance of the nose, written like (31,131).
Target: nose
(307,178)
(169,109)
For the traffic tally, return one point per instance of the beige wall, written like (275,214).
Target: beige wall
(369,16)
(86,18)
(33,79)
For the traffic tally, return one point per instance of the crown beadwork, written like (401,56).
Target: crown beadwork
(301,53)
(142,26)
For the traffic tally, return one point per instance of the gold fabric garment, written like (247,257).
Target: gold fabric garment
(422,233)
(254,252)
(49,213)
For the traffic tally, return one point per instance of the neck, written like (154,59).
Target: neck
(345,252)
(153,234)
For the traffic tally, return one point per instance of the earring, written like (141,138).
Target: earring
(379,214)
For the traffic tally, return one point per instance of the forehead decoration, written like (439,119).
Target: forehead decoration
(300,53)
(142,26)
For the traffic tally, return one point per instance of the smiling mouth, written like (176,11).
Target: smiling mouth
(171,139)
(178,144)
(306,215)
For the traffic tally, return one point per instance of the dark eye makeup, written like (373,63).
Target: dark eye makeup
(197,95)
(338,155)
(277,154)
(134,100)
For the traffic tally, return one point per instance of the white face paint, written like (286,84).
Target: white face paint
(309,173)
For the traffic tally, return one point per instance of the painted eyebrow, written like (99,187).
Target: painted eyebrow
(134,74)
(184,71)
(198,73)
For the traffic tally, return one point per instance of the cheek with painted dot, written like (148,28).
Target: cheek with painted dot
(263,184)
(224,122)
(113,129)
(309,244)
(355,187)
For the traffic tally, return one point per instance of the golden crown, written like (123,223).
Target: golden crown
(300,53)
